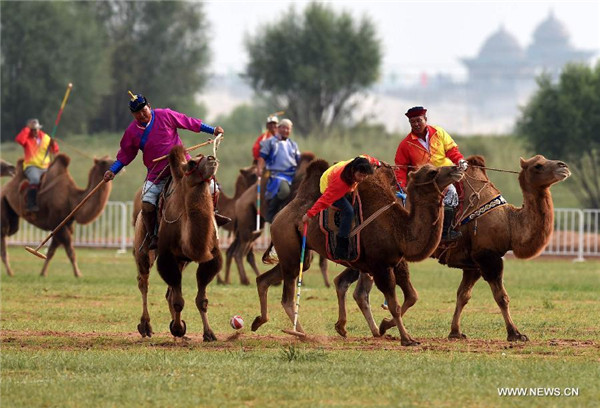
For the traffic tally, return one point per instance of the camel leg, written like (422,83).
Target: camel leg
(463,295)
(323,267)
(204,275)
(171,270)
(361,296)
(238,256)
(63,237)
(272,277)
(492,271)
(342,282)
(228,259)
(410,294)
(54,244)
(386,283)
(144,264)
(4,255)
(252,260)
(287,298)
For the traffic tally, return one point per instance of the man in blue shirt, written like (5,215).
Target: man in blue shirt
(280,156)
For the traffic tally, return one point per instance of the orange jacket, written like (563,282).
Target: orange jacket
(35,148)
(443,151)
(333,187)
(256,146)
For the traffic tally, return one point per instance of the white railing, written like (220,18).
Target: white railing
(576,232)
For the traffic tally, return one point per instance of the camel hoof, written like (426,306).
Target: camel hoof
(145,329)
(178,331)
(209,336)
(409,343)
(383,326)
(245,282)
(517,337)
(457,336)
(220,281)
(259,321)
(341,329)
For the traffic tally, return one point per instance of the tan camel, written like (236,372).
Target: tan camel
(485,240)
(187,232)
(6,169)
(57,197)
(245,223)
(395,233)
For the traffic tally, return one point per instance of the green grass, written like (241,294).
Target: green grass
(501,152)
(70,342)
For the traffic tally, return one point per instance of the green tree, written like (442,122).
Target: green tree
(158,48)
(562,121)
(46,45)
(312,64)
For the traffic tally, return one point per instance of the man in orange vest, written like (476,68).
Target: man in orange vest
(37,146)
(272,122)
(430,144)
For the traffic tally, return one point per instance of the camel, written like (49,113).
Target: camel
(6,169)
(57,197)
(187,232)
(245,224)
(525,230)
(395,234)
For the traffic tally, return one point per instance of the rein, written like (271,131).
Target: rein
(370,219)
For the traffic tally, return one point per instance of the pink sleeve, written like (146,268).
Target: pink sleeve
(181,121)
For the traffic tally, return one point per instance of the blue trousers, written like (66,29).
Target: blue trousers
(347,213)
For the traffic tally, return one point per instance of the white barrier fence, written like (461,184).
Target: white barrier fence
(576,232)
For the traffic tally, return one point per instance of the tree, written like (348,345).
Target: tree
(313,64)
(158,48)
(46,45)
(562,120)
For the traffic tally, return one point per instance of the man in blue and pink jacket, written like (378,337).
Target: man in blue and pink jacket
(154,132)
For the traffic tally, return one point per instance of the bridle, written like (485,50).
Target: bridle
(196,168)
(434,181)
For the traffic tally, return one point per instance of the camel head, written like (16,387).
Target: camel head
(6,169)
(430,179)
(539,172)
(200,169)
(102,164)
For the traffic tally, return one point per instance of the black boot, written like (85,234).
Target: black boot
(32,199)
(448,233)
(221,219)
(341,248)
(149,218)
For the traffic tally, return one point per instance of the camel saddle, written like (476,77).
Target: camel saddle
(329,222)
(23,188)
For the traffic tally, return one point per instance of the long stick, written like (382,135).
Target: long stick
(87,197)
(60,111)
(258,204)
(189,149)
(297,308)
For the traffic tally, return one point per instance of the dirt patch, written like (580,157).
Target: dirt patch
(248,341)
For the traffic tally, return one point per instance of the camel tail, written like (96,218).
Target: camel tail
(268,258)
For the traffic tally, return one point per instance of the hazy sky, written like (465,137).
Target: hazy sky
(421,36)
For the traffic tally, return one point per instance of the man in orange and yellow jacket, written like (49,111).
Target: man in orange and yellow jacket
(430,144)
(37,146)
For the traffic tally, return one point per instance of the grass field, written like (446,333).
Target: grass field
(70,342)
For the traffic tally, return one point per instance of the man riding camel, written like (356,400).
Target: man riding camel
(154,132)
(430,144)
(337,181)
(37,146)
(280,156)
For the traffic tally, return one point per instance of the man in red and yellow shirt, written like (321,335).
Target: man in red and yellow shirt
(37,146)
(272,122)
(337,181)
(430,144)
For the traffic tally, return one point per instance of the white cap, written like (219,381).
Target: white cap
(34,124)
(272,119)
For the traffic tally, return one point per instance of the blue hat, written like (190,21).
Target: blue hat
(137,102)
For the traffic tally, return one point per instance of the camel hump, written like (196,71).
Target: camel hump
(307,156)
(317,167)
(60,161)
(176,160)
(476,160)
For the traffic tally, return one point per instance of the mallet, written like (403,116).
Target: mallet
(294,332)
(91,193)
(60,111)
(258,204)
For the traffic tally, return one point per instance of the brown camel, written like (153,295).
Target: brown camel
(187,232)
(525,231)
(245,224)
(57,196)
(395,233)
(6,169)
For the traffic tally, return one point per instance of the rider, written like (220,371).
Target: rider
(430,144)
(280,156)
(337,181)
(36,145)
(272,122)
(154,132)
